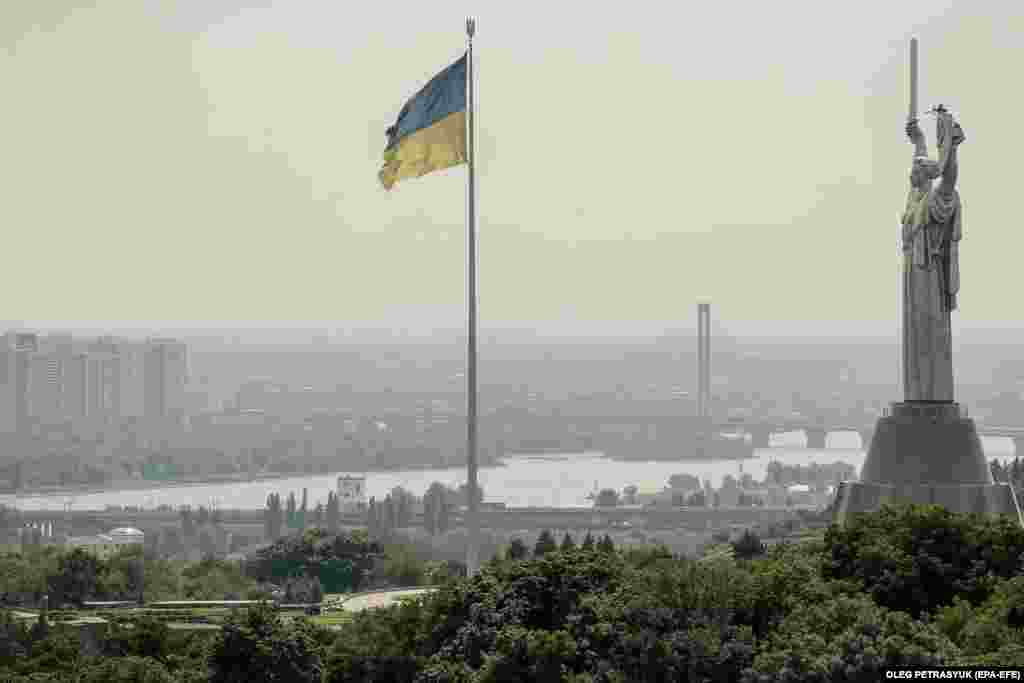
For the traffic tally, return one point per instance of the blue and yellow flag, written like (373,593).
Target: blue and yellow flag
(430,133)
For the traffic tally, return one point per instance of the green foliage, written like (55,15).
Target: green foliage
(213,579)
(991,632)
(76,579)
(545,544)
(567,542)
(57,653)
(847,638)
(517,550)
(402,567)
(258,646)
(303,590)
(903,587)
(918,558)
(131,669)
(339,561)
(748,546)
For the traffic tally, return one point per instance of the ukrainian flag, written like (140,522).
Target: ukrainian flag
(430,133)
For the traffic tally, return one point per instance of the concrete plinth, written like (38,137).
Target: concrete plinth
(926,453)
(988,499)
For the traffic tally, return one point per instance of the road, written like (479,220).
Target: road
(364,601)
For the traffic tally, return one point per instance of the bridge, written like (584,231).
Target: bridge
(817,432)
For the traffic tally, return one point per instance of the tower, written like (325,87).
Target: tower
(703,360)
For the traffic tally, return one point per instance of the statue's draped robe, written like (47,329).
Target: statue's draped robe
(931,279)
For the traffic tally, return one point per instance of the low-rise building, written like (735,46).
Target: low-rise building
(351,494)
(124,535)
(105,545)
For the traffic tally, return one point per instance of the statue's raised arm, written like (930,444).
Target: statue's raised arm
(949,135)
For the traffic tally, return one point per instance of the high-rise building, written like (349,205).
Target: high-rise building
(166,374)
(8,381)
(132,379)
(18,349)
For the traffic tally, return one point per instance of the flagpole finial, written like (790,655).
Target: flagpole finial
(470,28)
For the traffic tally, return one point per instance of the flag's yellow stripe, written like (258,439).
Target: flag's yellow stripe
(439,146)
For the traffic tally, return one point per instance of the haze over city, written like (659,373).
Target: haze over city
(618,341)
(216,162)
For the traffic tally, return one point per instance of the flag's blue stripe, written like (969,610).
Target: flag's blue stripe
(444,95)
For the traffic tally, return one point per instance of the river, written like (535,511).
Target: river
(548,481)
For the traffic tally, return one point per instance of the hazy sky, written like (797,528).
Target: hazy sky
(216,161)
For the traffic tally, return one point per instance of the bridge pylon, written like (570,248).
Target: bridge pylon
(760,436)
(816,437)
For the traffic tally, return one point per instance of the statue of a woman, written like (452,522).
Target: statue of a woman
(931,271)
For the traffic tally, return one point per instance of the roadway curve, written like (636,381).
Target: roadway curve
(385,598)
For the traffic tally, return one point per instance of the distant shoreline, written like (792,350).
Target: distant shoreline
(145,485)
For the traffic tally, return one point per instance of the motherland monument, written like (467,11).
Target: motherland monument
(926,449)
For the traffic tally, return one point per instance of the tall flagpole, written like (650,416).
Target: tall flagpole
(473,521)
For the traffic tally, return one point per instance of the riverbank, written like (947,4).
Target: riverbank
(694,459)
(116,485)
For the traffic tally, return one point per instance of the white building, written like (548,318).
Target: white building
(127,536)
(108,544)
(351,494)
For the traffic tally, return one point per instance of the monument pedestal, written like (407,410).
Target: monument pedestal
(926,453)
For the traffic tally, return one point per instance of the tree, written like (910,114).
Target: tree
(629,494)
(40,629)
(697,499)
(188,525)
(130,669)
(606,545)
(567,542)
(304,509)
(149,638)
(517,550)
(292,511)
(435,508)
(916,558)
(429,512)
(462,494)
(319,516)
(257,647)
(588,542)
(76,578)
(273,517)
(173,544)
(303,590)
(333,513)
(372,519)
(545,544)
(748,546)
(387,520)
(207,545)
